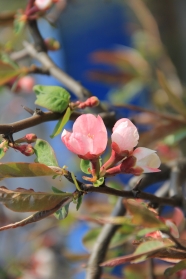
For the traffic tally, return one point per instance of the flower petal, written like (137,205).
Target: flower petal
(142,152)
(125,134)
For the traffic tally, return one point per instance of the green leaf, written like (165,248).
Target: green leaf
(175,138)
(61,123)
(56,190)
(8,72)
(62,213)
(53,98)
(143,216)
(10,170)
(24,200)
(175,101)
(19,22)
(148,247)
(99,182)
(143,251)
(3,147)
(79,202)
(85,166)
(177,267)
(120,237)
(6,59)
(45,153)
(75,182)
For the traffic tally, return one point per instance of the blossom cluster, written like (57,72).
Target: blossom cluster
(89,140)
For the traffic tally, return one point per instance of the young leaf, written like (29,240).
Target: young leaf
(85,166)
(99,182)
(75,181)
(53,98)
(35,217)
(79,202)
(3,147)
(177,267)
(24,200)
(8,72)
(143,216)
(143,251)
(19,22)
(175,101)
(10,170)
(45,153)
(62,213)
(61,123)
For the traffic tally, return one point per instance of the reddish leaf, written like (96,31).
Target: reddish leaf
(143,251)
(143,216)
(23,200)
(37,216)
(9,170)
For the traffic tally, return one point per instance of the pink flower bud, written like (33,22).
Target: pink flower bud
(43,4)
(89,137)
(25,84)
(90,102)
(25,149)
(52,44)
(31,138)
(124,137)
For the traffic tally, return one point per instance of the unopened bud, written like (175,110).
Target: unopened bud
(29,138)
(52,44)
(90,102)
(25,84)
(25,149)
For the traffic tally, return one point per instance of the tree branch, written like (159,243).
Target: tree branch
(100,248)
(80,91)
(38,118)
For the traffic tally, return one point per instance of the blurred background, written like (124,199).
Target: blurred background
(113,48)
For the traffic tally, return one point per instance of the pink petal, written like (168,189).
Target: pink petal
(75,142)
(142,152)
(125,134)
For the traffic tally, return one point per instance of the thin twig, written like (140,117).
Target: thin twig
(170,117)
(175,201)
(37,119)
(80,91)
(100,248)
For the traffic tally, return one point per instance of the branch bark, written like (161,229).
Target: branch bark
(100,248)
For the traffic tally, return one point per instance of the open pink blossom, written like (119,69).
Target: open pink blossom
(142,160)
(124,137)
(89,137)
(146,159)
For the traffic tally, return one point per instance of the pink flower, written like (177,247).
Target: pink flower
(124,137)
(43,4)
(146,159)
(142,160)
(89,137)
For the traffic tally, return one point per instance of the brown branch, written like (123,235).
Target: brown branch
(80,91)
(175,201)
(170,117)
(100,248)
(42,117)
(135,195)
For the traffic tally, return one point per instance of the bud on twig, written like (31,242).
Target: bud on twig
(25,149)
(52,44)
(29,138)
(90,102)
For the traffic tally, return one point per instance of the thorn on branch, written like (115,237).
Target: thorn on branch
(31,111)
